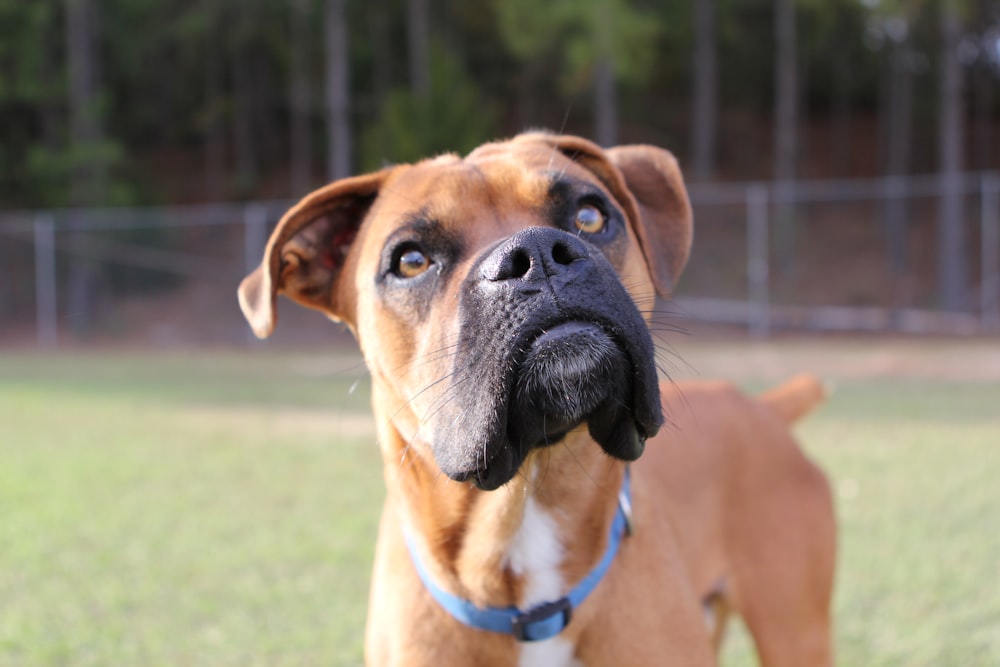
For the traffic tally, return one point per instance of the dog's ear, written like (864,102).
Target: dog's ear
(307,250)
(647,182)
(666,229)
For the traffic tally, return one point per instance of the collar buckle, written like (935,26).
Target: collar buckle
(546,620)
(625,505)
(542,622)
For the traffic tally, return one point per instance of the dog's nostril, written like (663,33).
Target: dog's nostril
(532,255)
(520,263)
(562,254)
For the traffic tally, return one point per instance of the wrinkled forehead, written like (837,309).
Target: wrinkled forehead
(490,187)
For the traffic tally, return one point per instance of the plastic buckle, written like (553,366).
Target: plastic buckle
(522,623)
(625,505)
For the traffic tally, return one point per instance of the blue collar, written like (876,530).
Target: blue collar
(547,619)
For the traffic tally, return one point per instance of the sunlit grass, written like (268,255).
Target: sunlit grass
(220,509)
(148,523)
(914,467)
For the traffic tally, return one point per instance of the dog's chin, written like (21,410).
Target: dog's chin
(572,373)
(575,372)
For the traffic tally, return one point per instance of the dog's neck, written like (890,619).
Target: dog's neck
(523,544)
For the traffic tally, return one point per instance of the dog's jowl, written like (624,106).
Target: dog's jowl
(538,511)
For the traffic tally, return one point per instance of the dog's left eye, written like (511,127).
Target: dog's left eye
(589,219)
(412,262)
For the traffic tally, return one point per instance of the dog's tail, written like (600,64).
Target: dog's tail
(795,398)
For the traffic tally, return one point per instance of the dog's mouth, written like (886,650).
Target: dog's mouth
(549,341)
(571,373)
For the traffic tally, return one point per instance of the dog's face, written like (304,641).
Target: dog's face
(497,297)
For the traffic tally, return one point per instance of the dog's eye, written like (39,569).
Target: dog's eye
(589,219)
(412,262)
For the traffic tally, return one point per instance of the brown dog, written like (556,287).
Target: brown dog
(501,303)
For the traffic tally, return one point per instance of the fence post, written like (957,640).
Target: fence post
(46,315)
(758,261)
(254,239)
(989,290)
(254,231)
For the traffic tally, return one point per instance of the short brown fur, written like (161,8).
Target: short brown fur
(726,505)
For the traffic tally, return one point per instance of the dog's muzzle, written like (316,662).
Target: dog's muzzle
(549,340)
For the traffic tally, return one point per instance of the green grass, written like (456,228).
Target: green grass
(220,509)
(915,467)
(156,511)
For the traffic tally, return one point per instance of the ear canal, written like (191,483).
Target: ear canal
(306,253)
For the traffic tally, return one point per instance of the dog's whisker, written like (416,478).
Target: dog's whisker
(565,120)
(442,352)
(444,398)
(423,421)
(426,360)
(408,402)
(666,355)
(665,330)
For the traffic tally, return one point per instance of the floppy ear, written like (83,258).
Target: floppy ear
(307,251)
(648,184)
(666,230)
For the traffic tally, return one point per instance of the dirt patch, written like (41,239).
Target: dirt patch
(837,358)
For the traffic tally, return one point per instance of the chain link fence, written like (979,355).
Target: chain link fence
(845,255)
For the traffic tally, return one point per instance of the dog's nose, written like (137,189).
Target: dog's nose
(532,255)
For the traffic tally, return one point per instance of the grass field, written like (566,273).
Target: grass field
(219,508)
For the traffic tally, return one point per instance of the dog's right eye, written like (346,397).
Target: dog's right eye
(411,262)
(590,219)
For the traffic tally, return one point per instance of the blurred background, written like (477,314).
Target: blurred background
(841,153)
(172,495)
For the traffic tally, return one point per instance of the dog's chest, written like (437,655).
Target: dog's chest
(536,554)
(553,652)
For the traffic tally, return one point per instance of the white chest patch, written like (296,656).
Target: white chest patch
(536,553)
(553,652)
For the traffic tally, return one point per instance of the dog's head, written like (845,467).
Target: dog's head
(497,298)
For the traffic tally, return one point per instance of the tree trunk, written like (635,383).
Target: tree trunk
(898,129)
(705,109)
(214,136)
(89,181)
(418,27)
(840,135)
(605,103)
(300,99)
(381,34)
(241,61)
(50,109)
(900,112)
(952,268)
(85,125)
(786,92)
(337,90)
(983,143)
(785,129)
(526,101)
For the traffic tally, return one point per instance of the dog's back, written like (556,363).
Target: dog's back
(753,515)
